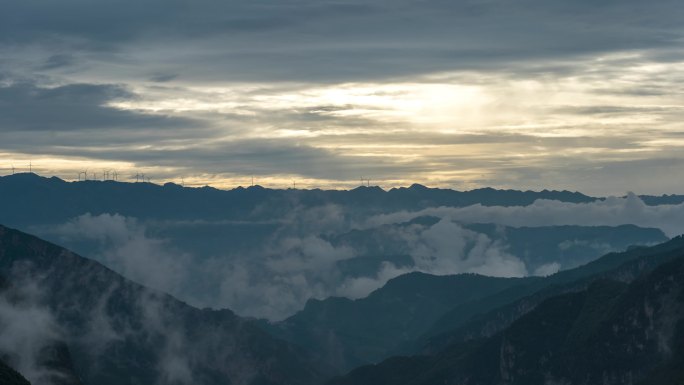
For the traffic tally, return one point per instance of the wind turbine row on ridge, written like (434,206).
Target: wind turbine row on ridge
(14,169)
(106,175)
(141,177)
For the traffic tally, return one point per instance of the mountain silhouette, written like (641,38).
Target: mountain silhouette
(30,198)
(422,312)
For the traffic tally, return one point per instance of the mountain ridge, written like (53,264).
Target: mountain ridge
(119,332)
(31,196)
(386,312)
(610,333)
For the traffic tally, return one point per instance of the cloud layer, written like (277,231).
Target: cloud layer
(333,40)
(319,252)
(276,279)
(612,211)
(26,330)
(526,94)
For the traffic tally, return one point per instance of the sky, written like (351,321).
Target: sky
(527,94)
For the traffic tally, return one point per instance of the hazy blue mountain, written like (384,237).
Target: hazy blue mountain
(34,199)
(671,199)
(418,309)
(485,317)
(347,333)
(567,246)
(29,198)
(276,245)
(610,332)
(118,332)
(237,248)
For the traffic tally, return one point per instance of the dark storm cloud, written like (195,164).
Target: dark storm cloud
(126,20)
(74,107)
(335,40)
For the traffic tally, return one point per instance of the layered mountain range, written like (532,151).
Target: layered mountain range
(406,286)
(242,248)
(624,328)
(419,313)
(38,199)
(625,308)
(31,198)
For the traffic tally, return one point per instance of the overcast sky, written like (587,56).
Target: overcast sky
(531,94)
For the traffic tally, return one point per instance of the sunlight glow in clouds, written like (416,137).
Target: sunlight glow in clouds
(328,92)
(387,120)
(368,120)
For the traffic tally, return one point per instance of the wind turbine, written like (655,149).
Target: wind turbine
(116,175)
(12,169)
(30,167)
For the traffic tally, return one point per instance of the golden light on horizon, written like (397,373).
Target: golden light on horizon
(435,128)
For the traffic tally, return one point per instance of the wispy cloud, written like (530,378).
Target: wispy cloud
(612,211)
(270,270)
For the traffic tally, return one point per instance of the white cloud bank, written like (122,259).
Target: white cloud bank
(612,211)
(275,279)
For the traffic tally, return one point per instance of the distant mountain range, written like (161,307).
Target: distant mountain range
(205,235)
(568,246)
(29,197)
(611,315)
(47,200)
